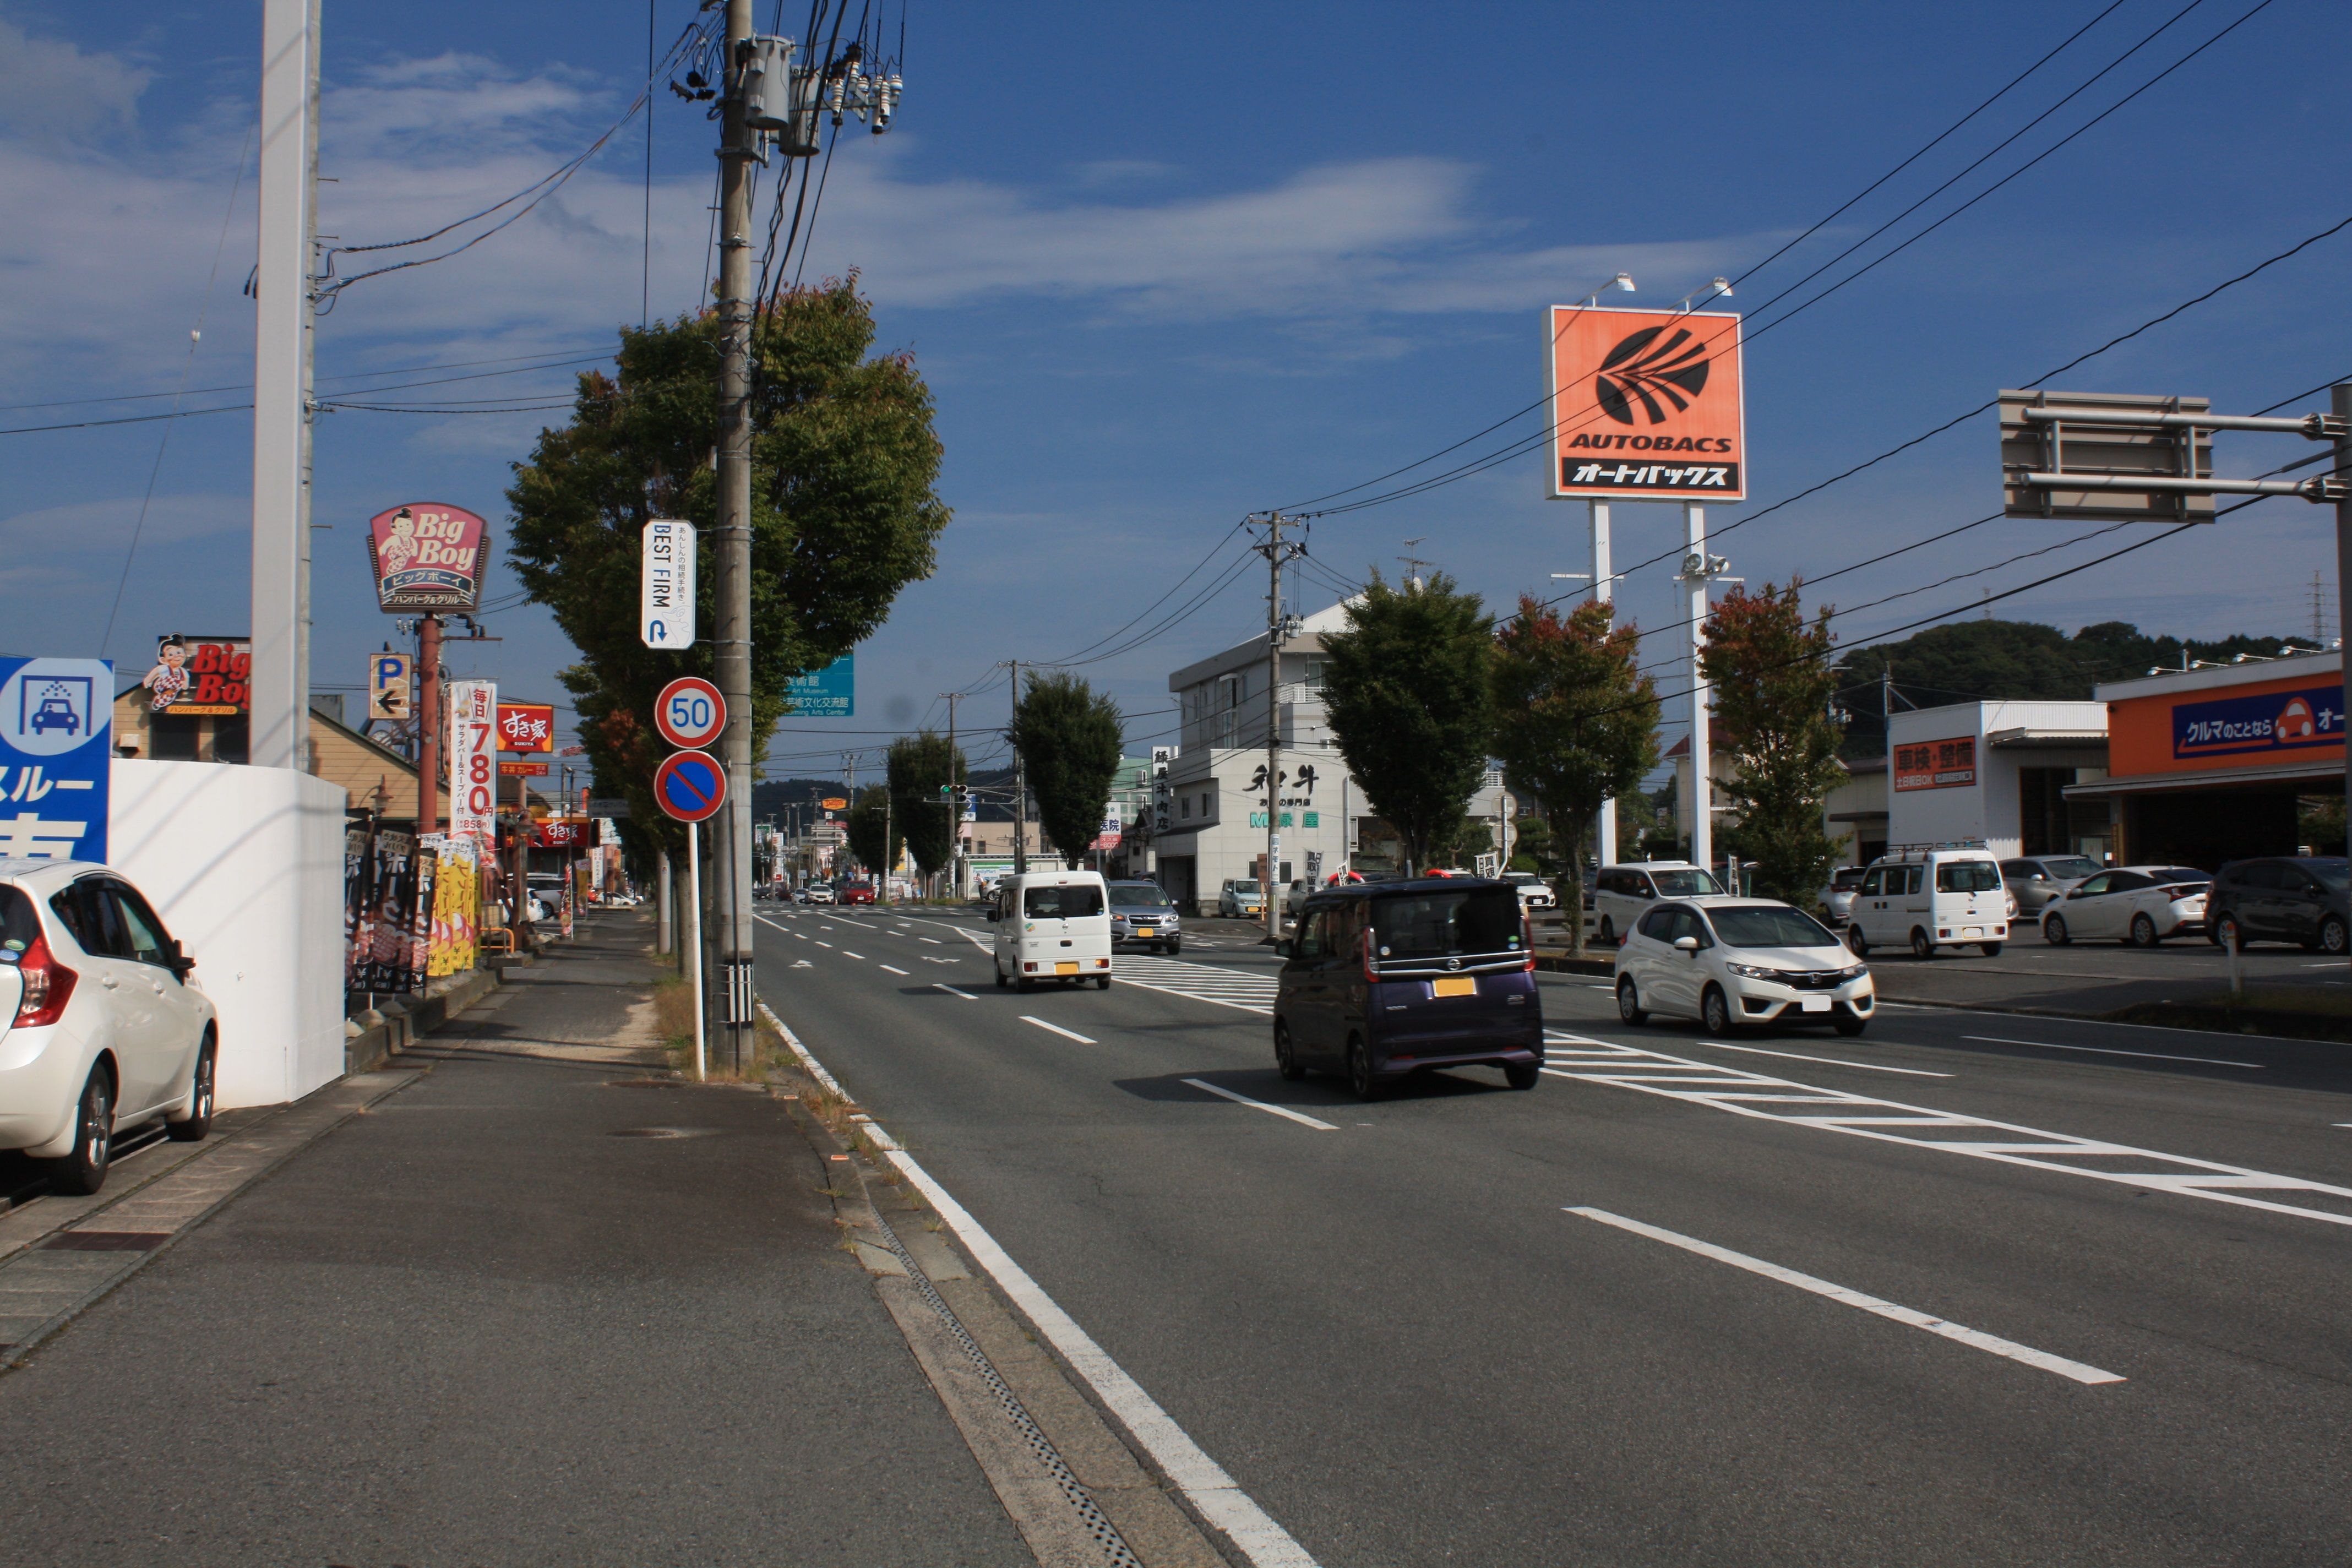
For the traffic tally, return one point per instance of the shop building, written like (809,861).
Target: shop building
(2001,772)
(2217,764)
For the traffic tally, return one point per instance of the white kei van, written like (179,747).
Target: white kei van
(1930,896)
(1052,925)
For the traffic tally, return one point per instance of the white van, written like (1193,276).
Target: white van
(1052,925)
(1930,896)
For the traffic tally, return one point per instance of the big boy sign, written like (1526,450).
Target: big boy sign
(428,556)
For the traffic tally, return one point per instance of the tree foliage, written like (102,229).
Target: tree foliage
(1575,724)
(843,513)
(1405,687)
(870,817)
(920,764)
(1772,690)
(1069,735)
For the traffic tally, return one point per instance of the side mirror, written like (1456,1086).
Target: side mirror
(1285,947)
(180,964)
(1686,944)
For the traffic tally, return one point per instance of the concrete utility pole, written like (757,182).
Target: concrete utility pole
(281,685)
(2340,405)
(731,830)
(955,809)
(1279,554)
(1019,783)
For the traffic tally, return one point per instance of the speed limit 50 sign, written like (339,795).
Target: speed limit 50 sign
(690,712)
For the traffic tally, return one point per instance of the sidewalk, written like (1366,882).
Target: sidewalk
(539,1306)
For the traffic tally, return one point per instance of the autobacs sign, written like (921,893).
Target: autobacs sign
(428,556)
(2272,721)
(1646,403)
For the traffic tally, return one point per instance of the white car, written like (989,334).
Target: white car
(2141,905)
(1731,961)
(100,1029)
(1533,893)
(819,893)
(1620,894)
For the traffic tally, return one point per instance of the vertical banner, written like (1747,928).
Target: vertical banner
(56,754)
(359,858)
(665,585)
(474,764)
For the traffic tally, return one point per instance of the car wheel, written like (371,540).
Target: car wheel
(1286,1061)
(1359,1072)
(1521,1075)
(84,1170)
(1003,980)
(1102,982)
(1856,943)
(1608,931)
(2227,934)
(1715,1012)
(200,1099)
(1629,1001)
(2054,931)
(1922,945)
(1847,1025)
(2333,937)
(1174,948)
(2142,931)
(1990,949)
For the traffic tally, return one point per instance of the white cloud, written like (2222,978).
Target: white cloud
(98,531)
(50,90)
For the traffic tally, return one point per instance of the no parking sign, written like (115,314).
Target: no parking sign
(690,786)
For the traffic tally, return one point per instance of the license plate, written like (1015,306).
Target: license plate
(1145,930)
(1454,986)
(1066,969)
(1813,1003)
(1973,931)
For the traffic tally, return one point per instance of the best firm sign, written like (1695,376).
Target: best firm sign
(1646,405)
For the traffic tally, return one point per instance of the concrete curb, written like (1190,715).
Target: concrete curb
(401,1021)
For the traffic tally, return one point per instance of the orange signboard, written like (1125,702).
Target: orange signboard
(1937,764)
(1647,405)
(2284,721)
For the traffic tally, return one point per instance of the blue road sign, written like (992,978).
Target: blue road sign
(56,754)
(690,785)
(827,693)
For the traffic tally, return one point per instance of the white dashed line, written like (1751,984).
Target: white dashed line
(1976,1339)
(1831,1061)
(2111,1051)
(821,943)
(1261,1105)
(859,956)
(932,940)
(894,969)
(951,991)
(1057,1029)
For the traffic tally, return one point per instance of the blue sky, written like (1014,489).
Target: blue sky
(1166,267)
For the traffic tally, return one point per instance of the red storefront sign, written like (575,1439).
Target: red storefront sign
(527,727)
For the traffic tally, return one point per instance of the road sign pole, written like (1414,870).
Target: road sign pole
(694,901)
(1606,851)
(429,725)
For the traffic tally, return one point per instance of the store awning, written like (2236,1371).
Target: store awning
(2045,739)
(2316,776)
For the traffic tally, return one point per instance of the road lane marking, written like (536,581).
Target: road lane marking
(1204,1482)
(1833,1061)
(1772,1099)
(1992,1344)
(894,969)
(941,985)
(929,959)
(821,943)
(1057,1029)
(2111,1051)
(1261,1105)
(859,956)
(932,940)
(1238,988)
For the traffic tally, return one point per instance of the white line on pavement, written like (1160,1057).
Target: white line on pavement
(894,969)
(1057,1029)
(859,956)
(1833,1061)
(2111,1051)
(929,959)
(821,943)
(1991,1343)
(1261,1105)
(940,986)
(932,940)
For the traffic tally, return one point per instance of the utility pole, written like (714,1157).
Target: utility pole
(283,324)
(731,830)
(1278,554)
(1019,783)
(955,810)
(2340,405)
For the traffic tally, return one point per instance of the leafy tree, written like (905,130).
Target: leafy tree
(867,817)
(1772,688)
(1069,735)
(1405,687)
(1574,724)
(920,764)
(843,513)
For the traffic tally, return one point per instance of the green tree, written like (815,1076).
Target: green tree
(870,815)
(920,764)
(1575,724)
(1405,687)
(1069,735)
(843,513)
(1772,688)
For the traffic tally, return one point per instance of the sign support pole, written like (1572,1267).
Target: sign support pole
(1603,592)
(2340,405)
(1696,577)
(429,725)
(694,901)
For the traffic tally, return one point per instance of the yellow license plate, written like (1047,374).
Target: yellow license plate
(1066,969)
(1454,986)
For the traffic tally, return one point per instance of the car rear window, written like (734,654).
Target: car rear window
(1765,926)
(1442,925)
(1967,877)
(1069,903)
(20,923)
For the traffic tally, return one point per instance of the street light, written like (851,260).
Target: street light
(1701,296)
(1622,281)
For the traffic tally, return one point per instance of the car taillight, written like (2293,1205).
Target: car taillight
(1528,940)
(1371,975)
(48,986)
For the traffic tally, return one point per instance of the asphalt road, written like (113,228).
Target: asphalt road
(1404,1342)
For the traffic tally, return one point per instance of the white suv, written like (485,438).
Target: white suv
(99,1028)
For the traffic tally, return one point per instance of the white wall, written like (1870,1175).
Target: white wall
(246,866)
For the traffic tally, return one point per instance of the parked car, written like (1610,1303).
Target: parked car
(1240,898)
(1732,962)
(1143,911)
(2300,900)
(1294,897)
(1533,893)
(857,890)
(2138,904)
(817,893)
(1388,979)
(102,1027)
(2036,879)
(1052,925)
(1930,899)
(1837,898)
(1621,894)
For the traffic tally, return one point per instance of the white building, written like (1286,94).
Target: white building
(1999,772)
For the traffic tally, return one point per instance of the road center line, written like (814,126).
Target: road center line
(1833,1061)
(1261,1105)
(894,969)
(2111,1051)
(1991,1343)
(1057,1029)
(940,986)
